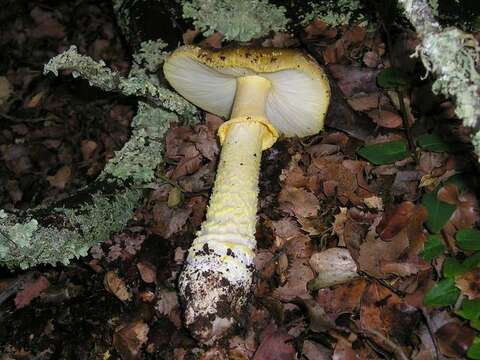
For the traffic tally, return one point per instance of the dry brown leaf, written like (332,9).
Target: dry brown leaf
(298,275)
(168,221)
(395,219)
(276,346)
(5,89)
(469,283)
(88,147)
(365,102)
(298,202)
(129,339)
(116,285)
(394,319)
(35,100)
(189,36)
(353,80)
(47,25)
(31,289)
(61,178)
(454,339)
(375,253)
(148,272)
(386,119)
(315,351)
(342,299)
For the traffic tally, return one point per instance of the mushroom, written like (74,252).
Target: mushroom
(264,92)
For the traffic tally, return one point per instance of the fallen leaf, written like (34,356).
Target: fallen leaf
(315,351)
(31,289)
(168,221)
(342,299)
(298,202)
(366,102)
(129,339)
(5,90)
(148,272)
(469,283)
(116,285)
(384,312)
(47,25)
(189,36)
(276,346)
(386,119)
(35,100)
(88,147)
(353,80)
(454,339)
(395,220)
(375,253)
(167,301)
(61,178)
(298,275)
(16,158)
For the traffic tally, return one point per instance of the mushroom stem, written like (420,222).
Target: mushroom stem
(216,279)
(251,96)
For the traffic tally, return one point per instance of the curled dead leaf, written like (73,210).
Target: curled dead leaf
(129,339)
(116,285)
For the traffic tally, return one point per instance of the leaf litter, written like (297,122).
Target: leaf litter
(341,265)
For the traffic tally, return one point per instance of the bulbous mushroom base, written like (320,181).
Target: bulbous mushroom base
(213,297)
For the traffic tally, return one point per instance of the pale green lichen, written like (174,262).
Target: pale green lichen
(151,55)
(452,56)
(336,13)
(26,244)
(141,155)
(235,19)
(99,75)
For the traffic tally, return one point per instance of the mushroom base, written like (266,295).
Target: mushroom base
(213,294)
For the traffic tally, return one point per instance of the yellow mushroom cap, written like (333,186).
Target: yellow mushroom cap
(298,99)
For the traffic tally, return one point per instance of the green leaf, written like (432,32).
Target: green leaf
(470,309)
(475,323)
(468,239)
(386,153)
(452,267)
(433,142)
(392,78)
(439,212)
(472,261)
(433,247)
(443,294)
(474,350)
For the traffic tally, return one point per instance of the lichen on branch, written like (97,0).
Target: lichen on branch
(27,243)
(142,153)
(452,56)
(235,19)
(99,75)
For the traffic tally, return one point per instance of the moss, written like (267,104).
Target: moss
(26,244)
(236,20)
(336,13)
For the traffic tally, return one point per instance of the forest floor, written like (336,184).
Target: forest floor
(366,232)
